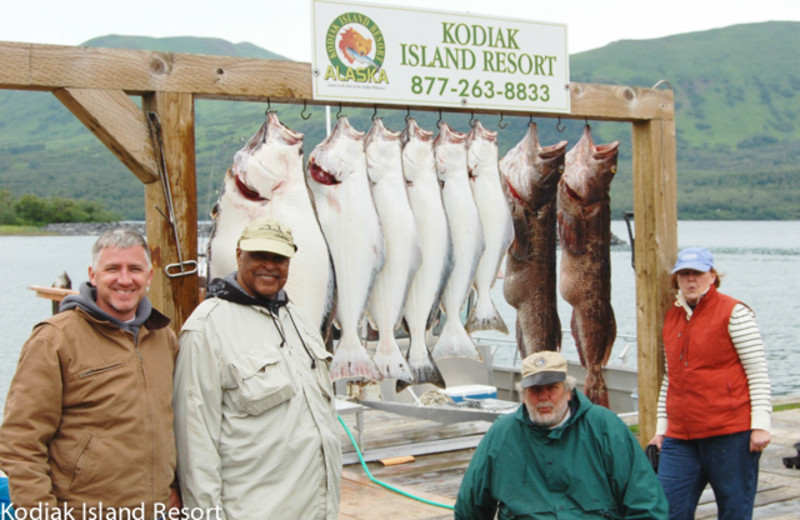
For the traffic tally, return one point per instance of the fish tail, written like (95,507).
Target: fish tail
(595,387)
(484,316)
(353,362)
(455,342)
(424,371)
(390,361)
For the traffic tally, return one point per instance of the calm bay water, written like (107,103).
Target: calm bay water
(760,262)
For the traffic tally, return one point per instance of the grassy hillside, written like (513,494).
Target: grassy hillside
(737,94)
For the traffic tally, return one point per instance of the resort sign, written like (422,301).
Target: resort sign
(386,54)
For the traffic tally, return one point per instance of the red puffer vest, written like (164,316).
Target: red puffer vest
(708,393)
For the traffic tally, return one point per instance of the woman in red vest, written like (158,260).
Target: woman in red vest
(715,405)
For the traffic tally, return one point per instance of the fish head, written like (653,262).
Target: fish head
(417,157)
(337,157)
(589,170)
(481,150)
(450,151)
(530,172)
(383,149)
(270,160)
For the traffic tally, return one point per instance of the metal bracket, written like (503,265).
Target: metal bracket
(628,215)
(181,268)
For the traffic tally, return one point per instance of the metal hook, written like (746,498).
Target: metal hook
(303,112)
(269,107)
(661,82)
(339,113)
(559,126)
(439,122)
(472,120)
(628,215)
(530,120)
(375,112)
(182,267)
(408,114)
(503,124)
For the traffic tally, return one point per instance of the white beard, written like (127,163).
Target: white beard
(550,419)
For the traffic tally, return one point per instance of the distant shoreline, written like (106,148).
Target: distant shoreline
(96,228)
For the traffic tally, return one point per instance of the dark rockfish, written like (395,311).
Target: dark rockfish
(584,219)
(530,175)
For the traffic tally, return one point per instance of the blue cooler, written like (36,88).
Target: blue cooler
(461,393)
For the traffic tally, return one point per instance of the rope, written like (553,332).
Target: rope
(387,486)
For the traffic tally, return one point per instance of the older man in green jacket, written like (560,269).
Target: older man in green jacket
(559,457)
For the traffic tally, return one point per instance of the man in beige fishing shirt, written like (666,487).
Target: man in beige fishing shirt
(255,422)
(87,431)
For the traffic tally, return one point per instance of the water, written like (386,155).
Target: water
(760,262)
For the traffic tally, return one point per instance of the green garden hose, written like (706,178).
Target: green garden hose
(387,486)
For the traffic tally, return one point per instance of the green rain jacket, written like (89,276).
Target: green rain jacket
(590,467)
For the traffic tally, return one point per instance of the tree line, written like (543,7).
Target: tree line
(30,210)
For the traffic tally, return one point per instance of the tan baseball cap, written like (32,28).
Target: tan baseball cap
(543,368)
(269,235)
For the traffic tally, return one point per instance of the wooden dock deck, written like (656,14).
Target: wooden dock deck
(435,475)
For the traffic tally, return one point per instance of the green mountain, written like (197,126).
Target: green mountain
(737,93)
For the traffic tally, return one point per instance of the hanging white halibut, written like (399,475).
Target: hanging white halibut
(425,198)
(403,255)
(466,233)
(498,228)
(337,177)
(267,180)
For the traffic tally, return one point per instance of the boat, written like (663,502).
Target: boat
(481,390)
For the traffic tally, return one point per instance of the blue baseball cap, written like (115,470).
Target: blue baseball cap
(694,258)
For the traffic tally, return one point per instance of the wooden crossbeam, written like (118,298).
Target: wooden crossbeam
(51,67)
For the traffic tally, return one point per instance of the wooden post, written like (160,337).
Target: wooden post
(656,239)
(174,296)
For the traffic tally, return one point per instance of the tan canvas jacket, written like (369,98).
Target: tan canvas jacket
(88,417)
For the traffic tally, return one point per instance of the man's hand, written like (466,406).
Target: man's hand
(175,498)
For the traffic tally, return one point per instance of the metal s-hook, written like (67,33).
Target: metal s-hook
(504,124)
(408,114)
(661,82)
(303,112)
(559,126)
(439,122)
(472,120)
(375,112)
(339,113)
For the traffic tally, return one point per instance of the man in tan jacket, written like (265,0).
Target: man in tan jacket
(88,416)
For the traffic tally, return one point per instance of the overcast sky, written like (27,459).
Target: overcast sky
(283,26)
